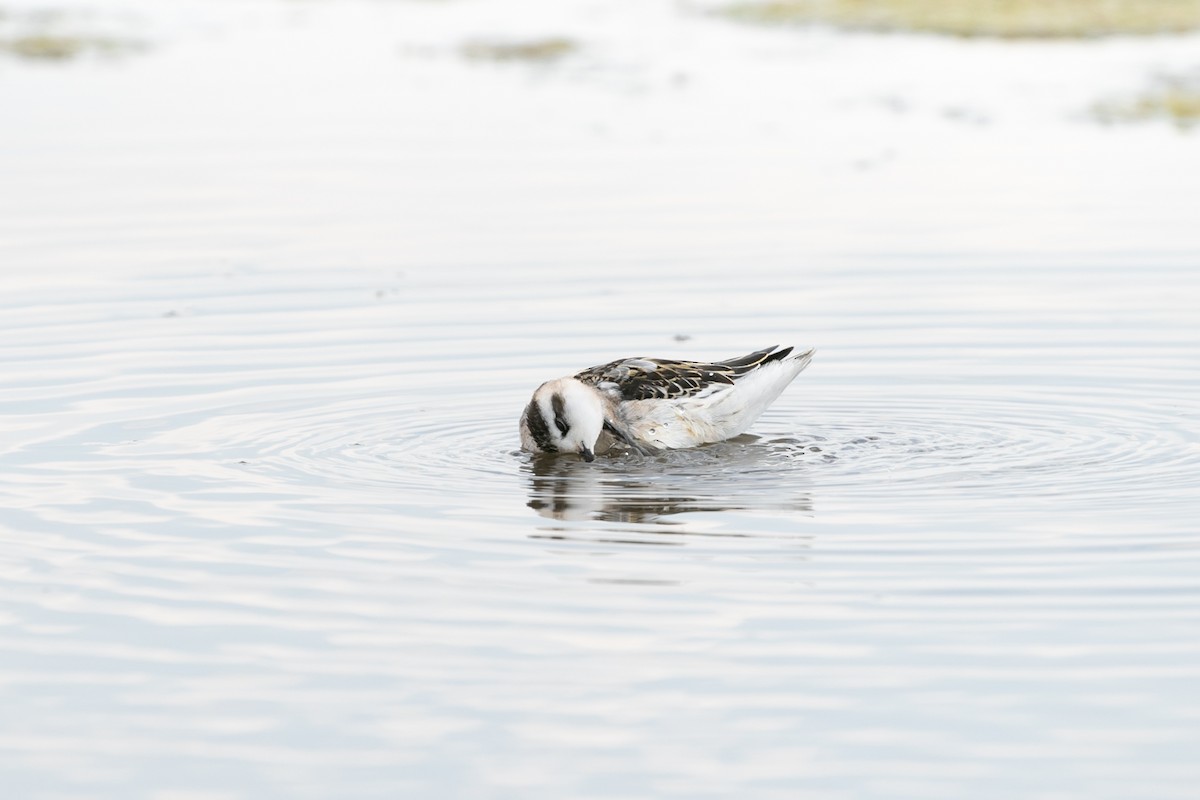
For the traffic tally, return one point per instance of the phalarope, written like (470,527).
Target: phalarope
(653,404)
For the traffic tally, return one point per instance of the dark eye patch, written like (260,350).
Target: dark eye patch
(560,413)
(538,428)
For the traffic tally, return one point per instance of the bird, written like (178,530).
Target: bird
(652,404)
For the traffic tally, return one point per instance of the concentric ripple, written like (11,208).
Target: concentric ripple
(1030,448)
(304,497)
(441,431)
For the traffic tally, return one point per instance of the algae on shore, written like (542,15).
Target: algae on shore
(1007,19)
(60,47)
(535,50)
(43,46)
(55,34)
(1175,99)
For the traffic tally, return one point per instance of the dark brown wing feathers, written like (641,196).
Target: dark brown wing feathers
(649,378)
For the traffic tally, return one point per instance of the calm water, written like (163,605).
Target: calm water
(266,532)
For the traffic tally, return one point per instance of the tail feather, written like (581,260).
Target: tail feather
(743,364)
(759,388)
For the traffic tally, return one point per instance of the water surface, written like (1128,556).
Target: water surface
(267,532)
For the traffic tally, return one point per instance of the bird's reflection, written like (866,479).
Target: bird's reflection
(743,474)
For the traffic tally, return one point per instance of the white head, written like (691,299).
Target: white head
(564,416)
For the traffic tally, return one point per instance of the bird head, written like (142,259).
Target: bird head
(564,416)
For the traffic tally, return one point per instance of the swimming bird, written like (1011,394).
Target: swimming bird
(650,404)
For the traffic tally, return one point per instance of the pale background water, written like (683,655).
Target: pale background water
(274,290)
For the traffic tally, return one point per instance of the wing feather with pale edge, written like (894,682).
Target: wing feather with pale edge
(651,378)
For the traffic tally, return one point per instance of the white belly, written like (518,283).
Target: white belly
(727,412)
(671,425)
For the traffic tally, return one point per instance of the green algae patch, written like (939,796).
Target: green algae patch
(1001,19)
(1172,99)
(44,46)
(61,47)
(530,50)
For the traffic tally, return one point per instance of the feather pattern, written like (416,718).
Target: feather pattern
(666,379)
